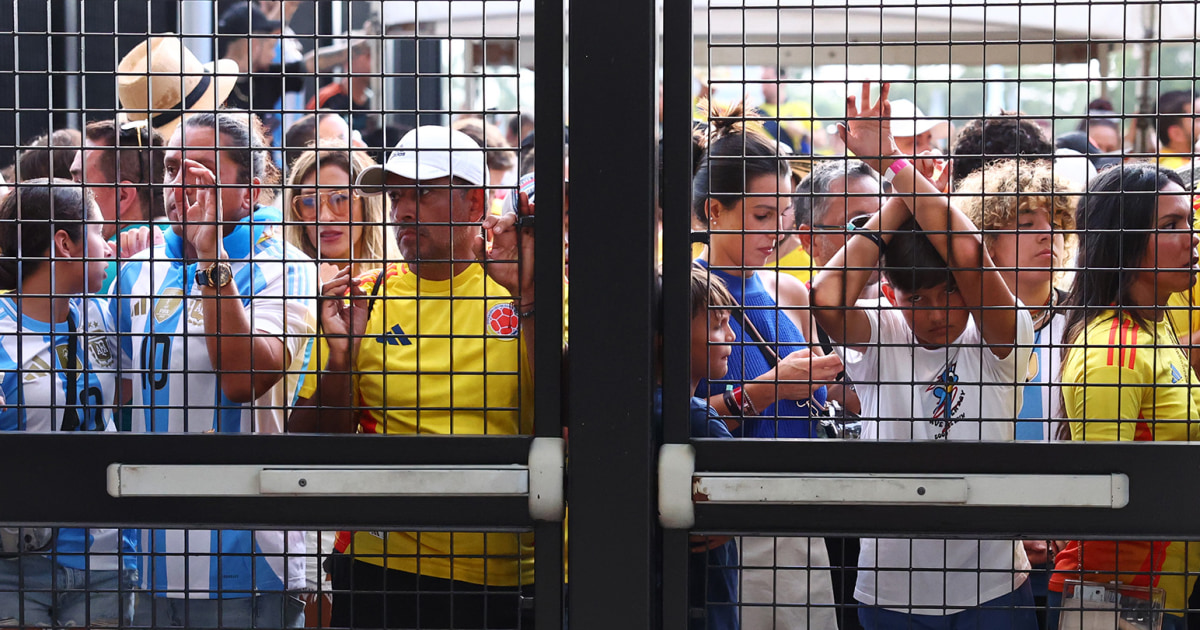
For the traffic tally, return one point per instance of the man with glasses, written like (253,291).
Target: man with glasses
(833,195)
(439,345)
(120,164)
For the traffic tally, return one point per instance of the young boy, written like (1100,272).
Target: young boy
(942,363)
(713,565)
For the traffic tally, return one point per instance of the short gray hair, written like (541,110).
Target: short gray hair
(812,194)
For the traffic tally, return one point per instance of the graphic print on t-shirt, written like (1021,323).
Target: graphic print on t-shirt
(949,400)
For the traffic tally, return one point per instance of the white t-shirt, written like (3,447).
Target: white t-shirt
(936,394)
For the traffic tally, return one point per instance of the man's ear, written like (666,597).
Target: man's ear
(888,292)
(250,197)
(128,204)
(805,236)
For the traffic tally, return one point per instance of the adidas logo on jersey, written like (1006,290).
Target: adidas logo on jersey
(394,337)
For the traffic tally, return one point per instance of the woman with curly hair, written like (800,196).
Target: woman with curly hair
(1026,214)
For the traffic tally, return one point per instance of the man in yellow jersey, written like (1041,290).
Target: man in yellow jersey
(1176,127)
(439,345)
(790,121)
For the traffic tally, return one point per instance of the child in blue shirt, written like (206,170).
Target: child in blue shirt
(713,564)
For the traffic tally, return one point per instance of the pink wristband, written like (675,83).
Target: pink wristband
(894,170)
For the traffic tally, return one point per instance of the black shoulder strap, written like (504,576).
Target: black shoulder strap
(375,289)
(751,331)
(70,416)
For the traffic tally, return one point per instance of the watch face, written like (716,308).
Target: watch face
(223,275)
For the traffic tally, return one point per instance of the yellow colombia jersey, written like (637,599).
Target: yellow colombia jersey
(1174,161)
(791,110)
(796,263)
(439,366)
(1152,403)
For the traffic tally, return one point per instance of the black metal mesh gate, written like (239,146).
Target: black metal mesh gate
(463,490)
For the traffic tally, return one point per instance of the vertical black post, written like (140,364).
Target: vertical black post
(612,486)
(548,50)
(675,197)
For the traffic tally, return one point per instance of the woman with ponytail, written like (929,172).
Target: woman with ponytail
(1125,376)
(58,361)
(741,189)
(773,387)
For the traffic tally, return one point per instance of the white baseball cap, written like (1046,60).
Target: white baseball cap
(908,120)
(429,152)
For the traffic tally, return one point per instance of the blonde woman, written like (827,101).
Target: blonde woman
(337,227)
(328,220)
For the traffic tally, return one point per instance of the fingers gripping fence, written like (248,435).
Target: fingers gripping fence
(901,266)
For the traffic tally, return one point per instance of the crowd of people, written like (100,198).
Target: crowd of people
(203,264)
(984,296)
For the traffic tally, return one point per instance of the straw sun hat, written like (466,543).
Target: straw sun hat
(160,79)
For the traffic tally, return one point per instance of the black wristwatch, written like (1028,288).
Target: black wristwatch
(216,276)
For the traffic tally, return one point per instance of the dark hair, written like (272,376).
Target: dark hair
(516,122)
(709,291)
(134,153)
(34,212)
(737,150)
(243,138)
(1172,111)
(985,140)
(1115,220)
(39,160)
(911,262)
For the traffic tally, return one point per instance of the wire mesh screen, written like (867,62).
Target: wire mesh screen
(947,222)
(805,581)
(266,217)
(964,222)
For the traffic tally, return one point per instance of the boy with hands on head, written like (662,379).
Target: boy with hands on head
(938,358)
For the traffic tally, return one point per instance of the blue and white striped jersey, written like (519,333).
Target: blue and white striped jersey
(157,306)
(33,358)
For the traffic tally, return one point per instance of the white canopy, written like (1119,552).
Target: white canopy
(803,32)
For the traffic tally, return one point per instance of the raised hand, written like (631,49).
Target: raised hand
(510,260)
(201,205)
(932,166)
(867,131)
